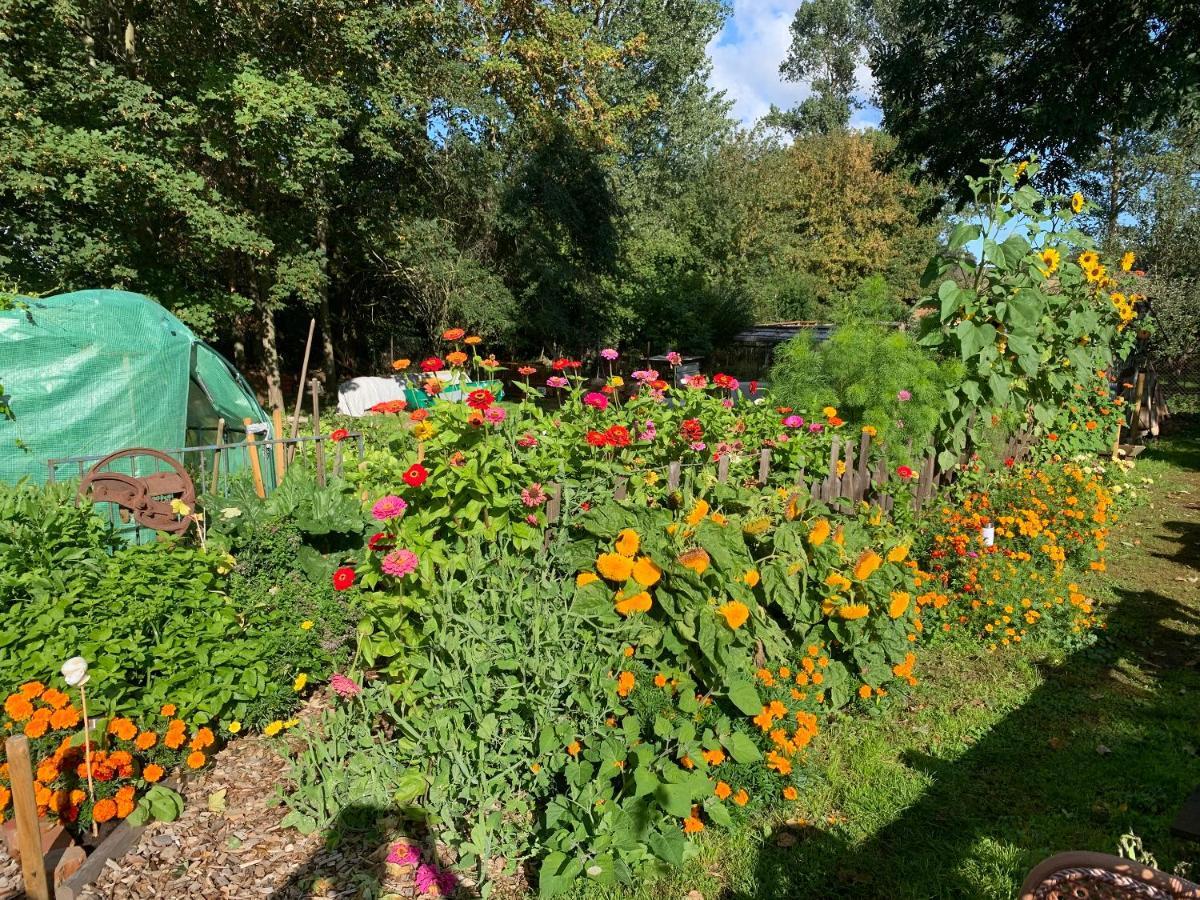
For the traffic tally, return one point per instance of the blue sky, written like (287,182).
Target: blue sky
(746,57)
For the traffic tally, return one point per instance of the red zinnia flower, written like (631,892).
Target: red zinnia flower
(692,430)
(343,578)
(432,364)
(904,471)
(597,438)
(561,363)
(415,475)
(617,436)
(378,541)
(418,415)
(480,399)
(339,435)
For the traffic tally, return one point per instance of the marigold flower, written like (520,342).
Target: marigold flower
(146,740)
(865,692)
(741,798)
(195,759)
(104,810)
(124,729)
(735,613)
(298,684)
(67,717)
(646,572)
(614,567)
(867,563)
(18,708)
(32,689)
(898,553)
(660,680)
(790,793)
(625,684)
(722,790)
(714,757)
(55,698)
(628,542)
(692,825)
(838,581)
(573,748)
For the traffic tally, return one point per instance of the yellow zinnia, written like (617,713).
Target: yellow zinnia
(867,563)
(628,542)
(735,612)
(646,572)
(829,411)
(819,532)
(853,611)
(614,567)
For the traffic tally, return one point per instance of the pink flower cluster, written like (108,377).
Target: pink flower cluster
(343,686)
(609,353)
(428,875)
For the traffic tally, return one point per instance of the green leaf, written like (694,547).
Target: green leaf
(744,696)
(741,748)
(668,847)
(676,799)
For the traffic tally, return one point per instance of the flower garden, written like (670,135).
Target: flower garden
(565,632)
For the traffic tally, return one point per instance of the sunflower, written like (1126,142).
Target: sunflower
(1050,260)
(1076,202)
(639,602)
(867,563)
(853,611)
(818,534)
(614,567)
(697,560)
(646,572)
(1127,261)
(899,604)
(585,578)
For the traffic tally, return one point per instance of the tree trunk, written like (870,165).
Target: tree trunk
(270,358)
(324,318)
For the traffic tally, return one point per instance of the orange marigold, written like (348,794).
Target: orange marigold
(18,708)
(741,798)
(625,683)
(195,759)
(104,810)
(122,728)
(146,740)
(722,790)
(32,689)
(790,793)
(167,710)
(67,717)
(153,773)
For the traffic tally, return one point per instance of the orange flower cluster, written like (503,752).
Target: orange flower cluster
(122,755)
(1046,520)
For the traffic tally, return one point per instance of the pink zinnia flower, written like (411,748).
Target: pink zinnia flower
(533,496)
(644,375)
(556,381)
(696,382)
(388,507)
(399,563)
(609,353)
(596,400)
(903,396)
(531,519)
(815,427)
(527,440)
(495,415)
(648,433)
(793,421)
(674,358)
(698,445)
(401,854)
(344,687)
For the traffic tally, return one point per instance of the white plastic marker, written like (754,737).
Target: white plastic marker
(989,535)
(75,673)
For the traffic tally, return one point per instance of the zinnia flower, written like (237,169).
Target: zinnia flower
(399,563)
(415,475)
(453,334)
(674,358)
(339,434)
(480,398)
(387,508)
(401,364)
(533,496)
(610,354)
(904,472)
(343,578)
(456,358)
(494,415)
(556,381)
(617,436)
(432,364)
(595,400)
(343,686)
(903,396)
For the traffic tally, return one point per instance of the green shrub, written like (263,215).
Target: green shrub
(865,372)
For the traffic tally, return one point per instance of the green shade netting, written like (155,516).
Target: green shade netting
(92,372)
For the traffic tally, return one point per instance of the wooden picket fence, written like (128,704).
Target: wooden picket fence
(860,479)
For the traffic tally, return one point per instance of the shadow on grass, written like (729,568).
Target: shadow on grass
(1106,745)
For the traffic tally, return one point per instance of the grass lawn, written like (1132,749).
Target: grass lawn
(998,761)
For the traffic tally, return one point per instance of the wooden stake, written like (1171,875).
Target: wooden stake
(29,830)
(255,463)
(217,453)
(312,325)
(318,444)
(87,750)
(277,446)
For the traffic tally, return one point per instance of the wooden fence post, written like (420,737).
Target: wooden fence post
(723,469)
(29,831)
(278,446)
(255,462)
(314,386)
(673,475)
(764,465)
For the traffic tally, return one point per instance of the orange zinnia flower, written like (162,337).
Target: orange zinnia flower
(472,340)
(453,334)
(457,358)
(790,793)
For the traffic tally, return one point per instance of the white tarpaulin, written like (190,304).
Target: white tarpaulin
(358,395)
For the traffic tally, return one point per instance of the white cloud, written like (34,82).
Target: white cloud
(746,57)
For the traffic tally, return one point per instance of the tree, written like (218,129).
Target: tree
(829,39)
(965,80)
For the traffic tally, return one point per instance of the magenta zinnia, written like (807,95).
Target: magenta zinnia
(388,507)
(399,563)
